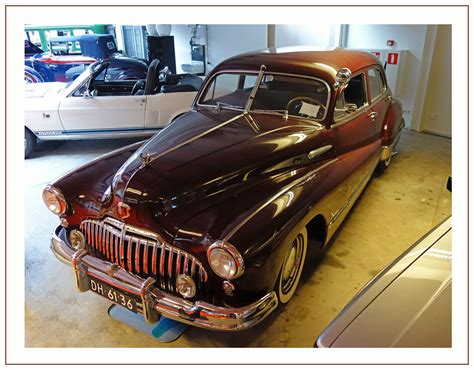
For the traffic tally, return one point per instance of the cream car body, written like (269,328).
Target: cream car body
(63,111)
(408,304)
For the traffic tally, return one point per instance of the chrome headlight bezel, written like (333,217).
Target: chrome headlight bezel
(225,249)
(61,207)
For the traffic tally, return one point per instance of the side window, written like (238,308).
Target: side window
(352,98)
(376,83)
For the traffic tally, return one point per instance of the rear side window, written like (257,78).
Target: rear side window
(376,83)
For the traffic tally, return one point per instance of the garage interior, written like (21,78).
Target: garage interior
(395,210)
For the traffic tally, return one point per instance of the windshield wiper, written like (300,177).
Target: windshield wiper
(283,112)
(220,105)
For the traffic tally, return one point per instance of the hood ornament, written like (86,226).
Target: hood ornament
(123,210)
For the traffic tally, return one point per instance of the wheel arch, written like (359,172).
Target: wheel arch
(317,229)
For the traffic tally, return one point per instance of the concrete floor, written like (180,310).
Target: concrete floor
(395,210)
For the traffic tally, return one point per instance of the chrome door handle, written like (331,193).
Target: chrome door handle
(373,116)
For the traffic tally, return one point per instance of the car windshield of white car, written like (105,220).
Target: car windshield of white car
(277,93)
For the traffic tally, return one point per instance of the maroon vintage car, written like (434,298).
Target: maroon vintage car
(209,221)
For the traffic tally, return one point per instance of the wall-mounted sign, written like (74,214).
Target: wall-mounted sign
(392,58)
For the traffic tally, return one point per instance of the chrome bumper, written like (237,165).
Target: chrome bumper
(155,302)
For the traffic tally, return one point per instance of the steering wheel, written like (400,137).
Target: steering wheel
(295,104)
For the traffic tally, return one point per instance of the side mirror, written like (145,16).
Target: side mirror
(350,108)
(87,94)
(342,78)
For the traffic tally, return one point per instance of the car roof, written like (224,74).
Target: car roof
(303,60)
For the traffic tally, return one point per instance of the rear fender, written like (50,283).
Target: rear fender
(393,124)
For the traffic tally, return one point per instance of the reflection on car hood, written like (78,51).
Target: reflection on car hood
(38,90)
(207,152)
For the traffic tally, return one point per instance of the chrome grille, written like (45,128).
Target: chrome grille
(141,252)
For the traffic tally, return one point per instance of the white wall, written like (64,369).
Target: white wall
(225,41)
(182,49)
(407,37)
(314,34)
(222,41)
(436,115)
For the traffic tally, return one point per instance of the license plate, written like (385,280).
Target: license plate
(112,294)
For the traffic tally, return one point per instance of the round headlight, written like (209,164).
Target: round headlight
(54,200)
(225,260)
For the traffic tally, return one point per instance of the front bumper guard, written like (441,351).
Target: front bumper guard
(154,301)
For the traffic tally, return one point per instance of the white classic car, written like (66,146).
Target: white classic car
(92,106)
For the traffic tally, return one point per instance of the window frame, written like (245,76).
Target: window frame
(349,116)
(384,82)
(267,72)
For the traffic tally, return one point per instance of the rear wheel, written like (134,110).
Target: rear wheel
(30,142)
(292,266)
(383,165)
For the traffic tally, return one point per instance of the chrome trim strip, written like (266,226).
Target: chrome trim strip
(138,246)
(170,269)
(154,157)
(162,265)
(317,152)
(231,233)
(155,301)
(359,188)
(145,257)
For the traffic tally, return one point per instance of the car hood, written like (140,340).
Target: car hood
(39,90)
(179,171)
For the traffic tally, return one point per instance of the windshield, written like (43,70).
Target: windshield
(293,95)
(91,69)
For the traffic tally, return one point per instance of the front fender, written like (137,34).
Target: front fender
(262,233)
(84,187)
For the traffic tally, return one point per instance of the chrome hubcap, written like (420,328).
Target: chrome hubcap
(292,264)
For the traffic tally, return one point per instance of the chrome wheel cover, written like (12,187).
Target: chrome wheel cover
(292,265)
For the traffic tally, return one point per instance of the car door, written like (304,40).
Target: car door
(379,97)
(81,112)
(354,142)
(102,113)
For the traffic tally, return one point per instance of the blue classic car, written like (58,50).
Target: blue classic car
(70,55)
